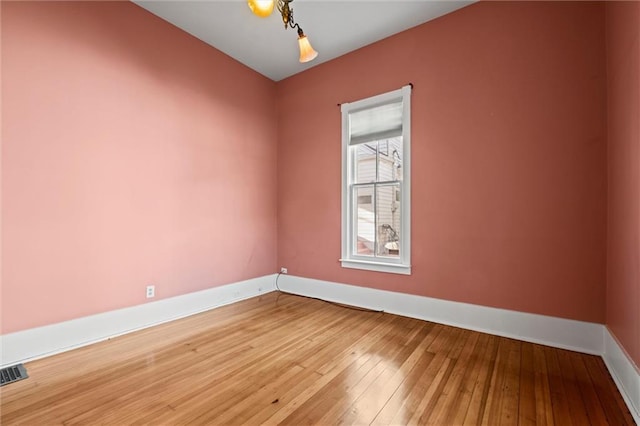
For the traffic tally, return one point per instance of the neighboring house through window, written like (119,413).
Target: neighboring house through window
(376,183)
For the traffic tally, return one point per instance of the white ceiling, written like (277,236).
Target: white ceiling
(333,27)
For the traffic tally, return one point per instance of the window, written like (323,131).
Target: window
(376,183)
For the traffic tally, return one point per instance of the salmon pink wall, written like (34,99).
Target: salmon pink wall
(132,154)
(623,244)
(509,157)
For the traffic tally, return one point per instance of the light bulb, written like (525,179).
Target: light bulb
(261,8)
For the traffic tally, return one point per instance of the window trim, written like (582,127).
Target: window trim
(348,258)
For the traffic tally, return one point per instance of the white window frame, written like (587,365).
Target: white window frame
(349,259)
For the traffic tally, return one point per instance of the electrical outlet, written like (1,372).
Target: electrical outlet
(284,271)
(151,291)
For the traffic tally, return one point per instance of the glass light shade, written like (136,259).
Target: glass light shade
(261,8)
(306,51)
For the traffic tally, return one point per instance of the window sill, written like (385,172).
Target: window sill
(392,268)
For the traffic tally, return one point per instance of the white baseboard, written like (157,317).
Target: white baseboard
(624,373)
(557,332)
(27,345)
(592,338)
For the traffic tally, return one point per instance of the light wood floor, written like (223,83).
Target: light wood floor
(287,359)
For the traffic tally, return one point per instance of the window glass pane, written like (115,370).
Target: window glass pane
(365,162)
(388,215)
(394,161)
(386,162)
(383,147)
(364,226)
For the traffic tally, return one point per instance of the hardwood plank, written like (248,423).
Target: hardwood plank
(343,388)
(544,410)
(474,367)
(231,364)
(511,386)
(281,358)
(592,405)
(559,403)
(291,400)
(616,412)
(448,352)
(502,403)
(402,392)
(438,341)
(312,363)
(527,400)
(369,403)
(448,401)
(494,399)
(480,394)
(572,389)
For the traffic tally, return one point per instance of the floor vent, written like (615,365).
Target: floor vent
(12,374)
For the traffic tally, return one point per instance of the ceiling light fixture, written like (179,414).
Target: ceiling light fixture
(263,8)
